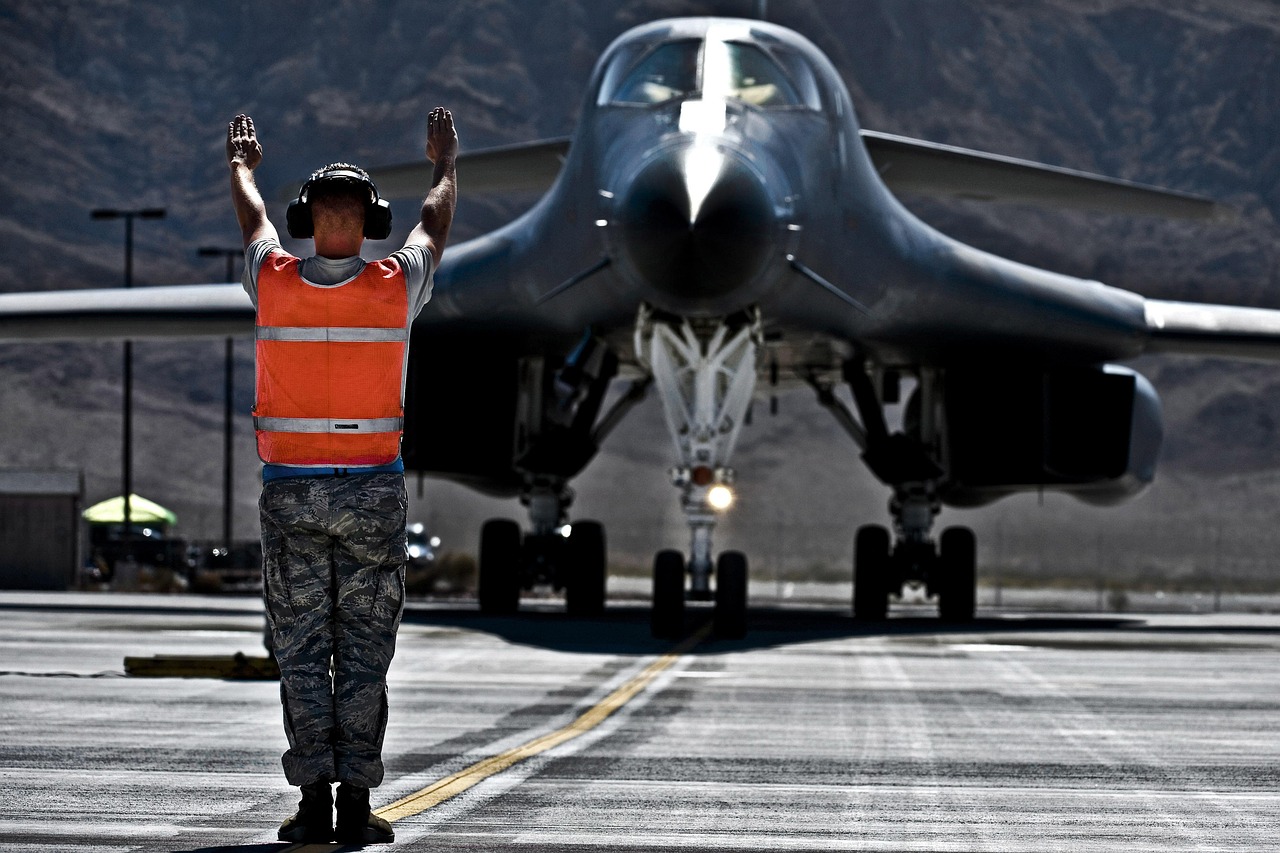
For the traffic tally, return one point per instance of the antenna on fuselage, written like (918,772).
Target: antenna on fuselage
(762,9)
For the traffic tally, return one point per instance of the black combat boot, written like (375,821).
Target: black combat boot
(313,824)
(356,824)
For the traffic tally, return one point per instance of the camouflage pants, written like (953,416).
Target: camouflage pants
(333,566)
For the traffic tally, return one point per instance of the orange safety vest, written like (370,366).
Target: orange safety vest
(331,363)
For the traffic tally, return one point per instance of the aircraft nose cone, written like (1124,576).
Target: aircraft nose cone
(696,226)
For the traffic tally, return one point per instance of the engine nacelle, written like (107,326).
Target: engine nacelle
(1092,432)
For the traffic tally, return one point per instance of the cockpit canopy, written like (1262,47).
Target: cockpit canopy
(646,74)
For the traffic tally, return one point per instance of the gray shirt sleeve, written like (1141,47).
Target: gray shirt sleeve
(253,258)
(419,274)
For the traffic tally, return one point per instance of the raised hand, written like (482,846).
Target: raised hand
(442,139)
(242,142)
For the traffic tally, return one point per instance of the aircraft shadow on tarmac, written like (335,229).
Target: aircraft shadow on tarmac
(248,848)
(625,628)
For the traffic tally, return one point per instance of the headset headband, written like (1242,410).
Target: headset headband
(339,172)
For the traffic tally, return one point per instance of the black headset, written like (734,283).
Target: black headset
(377,212)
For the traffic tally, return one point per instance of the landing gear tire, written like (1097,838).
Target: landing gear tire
(667,616)
(957,556)
(730,620)
(870,574)
(499,582)
(588,557)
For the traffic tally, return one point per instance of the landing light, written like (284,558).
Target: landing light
(566,530)
(720,497)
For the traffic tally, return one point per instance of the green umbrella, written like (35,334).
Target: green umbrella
(141,511)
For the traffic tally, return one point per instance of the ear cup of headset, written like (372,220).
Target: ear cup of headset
(377,219)
(297,219)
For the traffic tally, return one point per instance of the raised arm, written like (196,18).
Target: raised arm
(244,153)
(432,231)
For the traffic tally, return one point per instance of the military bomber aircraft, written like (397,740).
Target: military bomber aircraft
(717,219)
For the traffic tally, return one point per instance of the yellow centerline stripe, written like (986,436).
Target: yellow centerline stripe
(451,786)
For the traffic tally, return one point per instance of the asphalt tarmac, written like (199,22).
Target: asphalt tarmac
(541,733)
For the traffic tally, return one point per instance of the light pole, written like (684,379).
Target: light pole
(127,463)
(228,425)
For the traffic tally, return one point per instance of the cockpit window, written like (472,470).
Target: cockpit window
(667,72)
(717,69)
(800,73)
(745,72)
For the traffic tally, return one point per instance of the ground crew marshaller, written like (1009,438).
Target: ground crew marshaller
(332,336)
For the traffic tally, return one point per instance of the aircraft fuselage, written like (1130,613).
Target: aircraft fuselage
(710,198)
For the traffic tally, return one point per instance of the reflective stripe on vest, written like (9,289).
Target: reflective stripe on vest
(328,425)
(348,334)
(331,365)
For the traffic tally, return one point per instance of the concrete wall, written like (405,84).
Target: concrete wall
(40,529)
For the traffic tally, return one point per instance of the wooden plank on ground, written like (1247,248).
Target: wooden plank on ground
(238,666)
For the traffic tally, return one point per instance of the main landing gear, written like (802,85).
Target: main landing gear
(559,427)
(944,568)
(908,461)
(705,373)
(568,557)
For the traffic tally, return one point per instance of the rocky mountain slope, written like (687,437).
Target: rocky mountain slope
(112,103)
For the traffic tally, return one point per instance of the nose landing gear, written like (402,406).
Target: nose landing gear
(729,620)
(705,373)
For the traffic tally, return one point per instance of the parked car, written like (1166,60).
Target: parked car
(148,546)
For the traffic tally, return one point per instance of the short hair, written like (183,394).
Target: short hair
(342,198)
(339,191)
(325,187)
(322,181)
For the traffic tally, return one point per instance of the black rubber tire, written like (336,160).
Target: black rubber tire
(870,574)
(588,562)
(957,587)
(498,587)
(667,616)
(730,620)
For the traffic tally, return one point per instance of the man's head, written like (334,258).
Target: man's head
(339,206)
(339,199)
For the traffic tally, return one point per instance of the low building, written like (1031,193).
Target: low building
(40,532)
